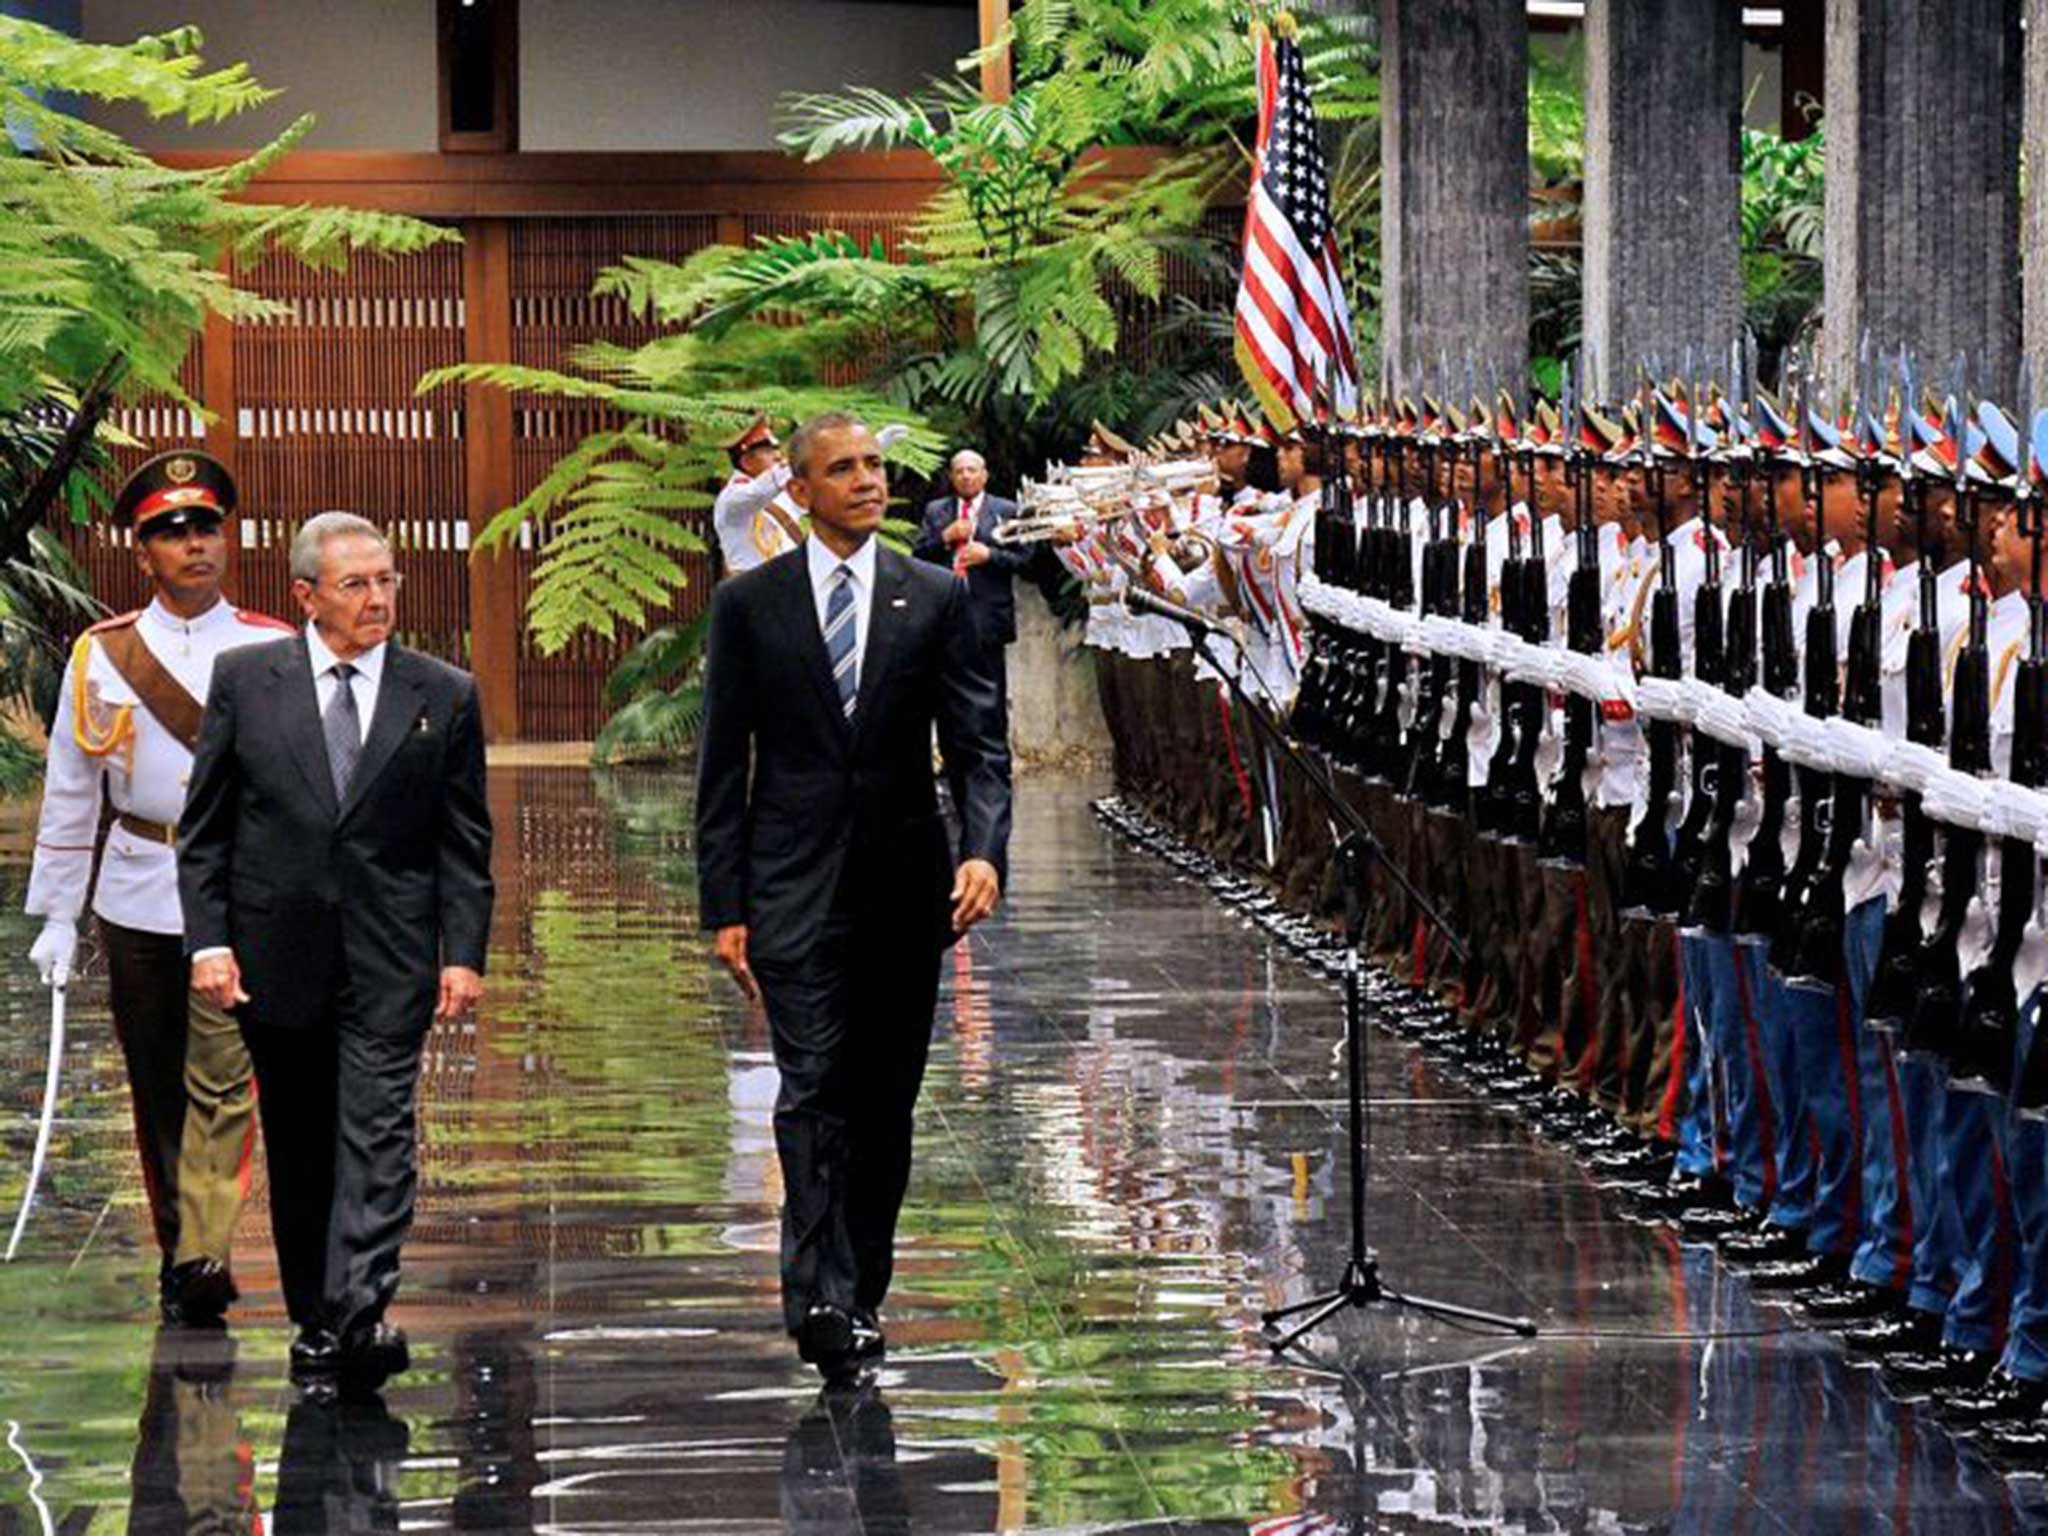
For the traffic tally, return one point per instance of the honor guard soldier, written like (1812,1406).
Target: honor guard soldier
(120,755)
(754,517)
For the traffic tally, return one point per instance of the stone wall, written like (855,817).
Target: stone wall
(1055,711)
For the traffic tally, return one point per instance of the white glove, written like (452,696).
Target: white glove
(891,435)
(53,951)
(1909,765)
(1657,698)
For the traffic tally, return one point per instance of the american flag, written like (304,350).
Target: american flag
(1293,327)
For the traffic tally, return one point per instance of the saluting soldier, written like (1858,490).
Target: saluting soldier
(753,515)
(121,752)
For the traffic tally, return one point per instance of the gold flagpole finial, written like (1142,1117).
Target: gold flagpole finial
(1285,26)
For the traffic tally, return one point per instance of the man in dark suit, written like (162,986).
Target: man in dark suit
(959,533)
(334,865)
(825,869)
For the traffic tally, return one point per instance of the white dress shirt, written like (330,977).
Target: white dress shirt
(824,567)
(369,673)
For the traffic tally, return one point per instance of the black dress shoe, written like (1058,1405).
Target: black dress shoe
(1710,1223)
(1768,1242)
(1907,1332)
(315,1352)
(2002,1395)
(1793,1274)
(201,1291)
(2022,1442)
(869,1342)
(1852,1301)
(1645,1165)
(372,1355)
(1922,1375)
(826,1334)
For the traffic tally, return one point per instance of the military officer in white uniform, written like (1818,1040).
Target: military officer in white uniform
(121,749)
(753,515)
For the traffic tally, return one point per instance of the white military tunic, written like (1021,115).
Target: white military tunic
(749,534)
(103,733)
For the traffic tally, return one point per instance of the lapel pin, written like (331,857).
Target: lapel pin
(899,602)
(422,725)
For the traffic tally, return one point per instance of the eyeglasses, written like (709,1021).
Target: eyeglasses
(355,588)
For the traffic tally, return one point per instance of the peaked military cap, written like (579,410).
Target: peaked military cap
(175,490)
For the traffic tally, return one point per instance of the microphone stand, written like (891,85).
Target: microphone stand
(1358,853)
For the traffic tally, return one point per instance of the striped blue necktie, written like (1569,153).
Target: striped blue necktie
(839,636)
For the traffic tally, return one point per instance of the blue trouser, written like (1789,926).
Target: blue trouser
(1937,1229)
(2026,1158)
(1728,1029)
(1788,1077)
(1973,1144)
(1697,1123)
(1885,1255)
(1823,1024)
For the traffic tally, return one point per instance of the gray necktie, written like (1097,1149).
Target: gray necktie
(839,638)
(342,725)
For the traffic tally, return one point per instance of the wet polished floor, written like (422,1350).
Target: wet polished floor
(1129,1145)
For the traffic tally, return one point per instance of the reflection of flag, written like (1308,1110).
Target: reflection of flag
(1296,1525)
(1293,329)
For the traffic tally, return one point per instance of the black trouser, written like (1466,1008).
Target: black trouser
(340,1134)
(338,1468)
(851,1020)
(995,662)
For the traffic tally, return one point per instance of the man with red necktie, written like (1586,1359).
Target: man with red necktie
(959,531)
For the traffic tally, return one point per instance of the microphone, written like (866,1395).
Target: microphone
(1151,602)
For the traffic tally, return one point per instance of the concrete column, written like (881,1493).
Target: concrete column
(2034,251)
(1663,183)
(1055,712)
(1923,236)
(1454,185)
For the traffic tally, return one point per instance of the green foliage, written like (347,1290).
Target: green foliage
(1783,208)
(110,261)
(658,695)
(999,315)
(1557,112)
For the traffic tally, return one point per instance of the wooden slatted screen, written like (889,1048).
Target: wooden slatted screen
(327,420)
(320,414)
(554,262)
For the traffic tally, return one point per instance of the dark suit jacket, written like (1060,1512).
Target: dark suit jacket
(829,798)
(990,596)
(383,890)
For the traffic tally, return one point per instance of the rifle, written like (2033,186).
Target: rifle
(1760,899)
(1495,809)
(1817,957)
(1357,678)
(1934,1024)
(1893,990)
(1822,689)
(2030,727)
(1387,762)
(1990,1021)
(1458,799)
(1531,701)
(1647,878)
(1564,829)
(1707,650)
(1439,598)
(1310,718)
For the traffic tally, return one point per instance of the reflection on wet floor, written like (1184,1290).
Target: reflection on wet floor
(1128,1147)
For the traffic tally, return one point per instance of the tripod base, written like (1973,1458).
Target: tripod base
(1361,1287)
